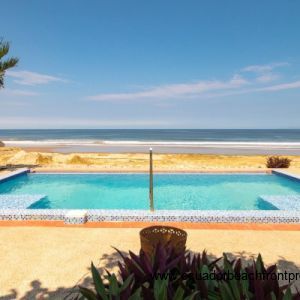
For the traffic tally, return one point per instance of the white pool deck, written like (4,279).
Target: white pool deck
(12,174)
(287,210)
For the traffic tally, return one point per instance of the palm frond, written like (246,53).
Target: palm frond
(7,64)
(4,48)
(1,81)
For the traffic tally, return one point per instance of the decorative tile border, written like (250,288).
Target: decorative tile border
(209,216)
(78,216)
(191,216)
(32,214)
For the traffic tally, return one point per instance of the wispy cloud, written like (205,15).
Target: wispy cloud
(175,90)
(242,83)
(264,68)
(270,88)
(17,92)
(265,73)
(268,77)
(33,78)
(281,87)
(44,122)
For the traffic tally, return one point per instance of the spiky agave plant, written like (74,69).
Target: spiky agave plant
(7,63)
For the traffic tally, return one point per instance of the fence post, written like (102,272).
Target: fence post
(151,181)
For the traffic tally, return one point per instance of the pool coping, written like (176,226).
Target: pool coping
(71,216)
(13,174)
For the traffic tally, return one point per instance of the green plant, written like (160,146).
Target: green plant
(5,64)
(278,162)
(185,276)
(112,290)
(265,286)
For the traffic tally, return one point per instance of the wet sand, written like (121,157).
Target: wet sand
(167,149)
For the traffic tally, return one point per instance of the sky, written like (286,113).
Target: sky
(152,64)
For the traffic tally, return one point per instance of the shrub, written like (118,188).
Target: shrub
(278,162)
(78,160)
(143,277)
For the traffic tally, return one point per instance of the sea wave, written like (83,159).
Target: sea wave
(204,144)
(49,142)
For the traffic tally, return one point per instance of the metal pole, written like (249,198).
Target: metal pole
(151,181)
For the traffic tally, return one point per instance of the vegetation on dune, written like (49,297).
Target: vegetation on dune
(43,159)
(278,162)
(5,64)
(78,160)
(139,162)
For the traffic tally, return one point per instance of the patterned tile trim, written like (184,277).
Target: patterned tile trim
(209,216)
(32,214)
(76,216)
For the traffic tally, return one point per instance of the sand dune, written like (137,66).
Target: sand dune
(134,161)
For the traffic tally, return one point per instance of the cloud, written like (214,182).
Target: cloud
(281,87)
(264,68)
(175,90)
(267,77)
(265,73)
(32,78)
(271,88)
(57,123)
(16,92)
(240,83)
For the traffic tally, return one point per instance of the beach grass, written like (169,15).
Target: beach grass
(135,161)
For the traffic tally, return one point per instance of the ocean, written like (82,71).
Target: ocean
(209,141)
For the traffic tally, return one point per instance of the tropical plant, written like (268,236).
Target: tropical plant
(185,276)
(278,162)
(7,63)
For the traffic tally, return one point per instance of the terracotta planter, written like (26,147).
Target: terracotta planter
(151,236)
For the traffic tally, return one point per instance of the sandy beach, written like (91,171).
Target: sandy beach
(134,162)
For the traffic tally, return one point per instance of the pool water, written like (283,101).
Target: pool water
(171,191)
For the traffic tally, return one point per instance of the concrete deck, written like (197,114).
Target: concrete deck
(46,262)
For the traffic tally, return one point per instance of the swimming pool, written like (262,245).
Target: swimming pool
(171,191)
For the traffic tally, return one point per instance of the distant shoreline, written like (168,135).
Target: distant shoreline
(194,141)
(226,148)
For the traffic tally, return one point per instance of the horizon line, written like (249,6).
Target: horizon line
(267,128)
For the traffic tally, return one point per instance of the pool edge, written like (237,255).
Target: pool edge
(192,216)
(140,216)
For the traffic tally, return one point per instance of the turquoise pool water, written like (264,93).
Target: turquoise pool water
(171,191)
